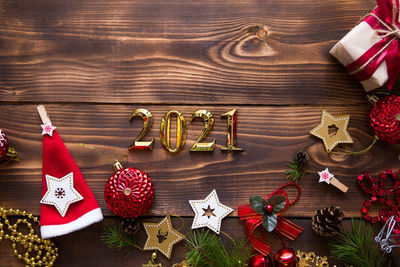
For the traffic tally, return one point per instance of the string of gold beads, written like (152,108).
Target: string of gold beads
(29,247)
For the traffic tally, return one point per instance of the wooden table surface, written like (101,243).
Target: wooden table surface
(93,62)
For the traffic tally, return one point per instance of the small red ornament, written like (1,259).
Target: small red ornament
(269,209)
(260,260)
(285,258)
(7,152)
(3,145)
(385,119)
(129,192)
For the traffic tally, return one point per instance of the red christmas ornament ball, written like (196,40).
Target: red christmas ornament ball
(285,258)
(260,260)
(129,192)
(385,119)
(3,145)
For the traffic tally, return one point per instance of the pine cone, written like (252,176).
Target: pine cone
(327,221)
(301,158)
(130,226)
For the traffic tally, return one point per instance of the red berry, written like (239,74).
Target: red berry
(269,209)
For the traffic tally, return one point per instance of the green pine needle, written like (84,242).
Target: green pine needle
(207,249)
(296,172)
(115,238)
(356,247)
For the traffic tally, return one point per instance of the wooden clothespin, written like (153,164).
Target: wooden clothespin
(47,127)
(43,114)
(329,178)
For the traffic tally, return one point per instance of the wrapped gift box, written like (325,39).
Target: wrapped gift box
(370,51)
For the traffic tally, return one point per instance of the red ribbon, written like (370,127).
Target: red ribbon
(388,48)
(254,220)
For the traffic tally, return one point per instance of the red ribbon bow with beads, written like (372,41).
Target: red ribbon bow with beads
(284,227)
(385,20)
(378,192)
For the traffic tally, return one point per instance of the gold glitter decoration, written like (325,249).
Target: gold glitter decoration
(29,247)
(310,260)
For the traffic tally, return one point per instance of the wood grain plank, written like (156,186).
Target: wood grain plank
(176,52)
(269,136)
(84,248)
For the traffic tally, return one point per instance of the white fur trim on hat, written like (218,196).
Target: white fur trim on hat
(49,231)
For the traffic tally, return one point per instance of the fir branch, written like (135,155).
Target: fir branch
(296,171)
(356,247)
(115,238)
(207,249)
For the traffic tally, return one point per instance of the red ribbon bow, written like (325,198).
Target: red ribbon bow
(284,227)
(384,19)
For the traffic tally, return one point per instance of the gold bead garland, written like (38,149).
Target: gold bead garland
(38,252)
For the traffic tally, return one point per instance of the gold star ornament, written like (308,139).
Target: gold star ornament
(162,236)
(332,130)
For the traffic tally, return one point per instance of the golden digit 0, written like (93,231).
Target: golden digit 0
(165,131)
(208,125)
(231,131)
(147,123)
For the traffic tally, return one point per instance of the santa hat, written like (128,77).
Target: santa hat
(67,203)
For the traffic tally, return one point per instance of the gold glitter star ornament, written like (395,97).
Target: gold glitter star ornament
(326,130)
(162,236)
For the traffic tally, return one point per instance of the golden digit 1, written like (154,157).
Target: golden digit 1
(147,123)
(231,131)
(165,131)
(208,125)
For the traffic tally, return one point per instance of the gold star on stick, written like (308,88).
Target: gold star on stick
(161,236)
(331,139)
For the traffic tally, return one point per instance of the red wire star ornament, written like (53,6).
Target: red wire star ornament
(380,193)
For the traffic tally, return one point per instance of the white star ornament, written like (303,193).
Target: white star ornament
(209,212)
(61,193)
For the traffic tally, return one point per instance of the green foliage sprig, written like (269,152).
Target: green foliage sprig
(296,171)
(115,238)
(356,247)
(297,165)
(207,249)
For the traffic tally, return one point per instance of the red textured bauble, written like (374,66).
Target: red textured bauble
(260,260)
(285,258)
(129,192)
(3,145)
(385,119)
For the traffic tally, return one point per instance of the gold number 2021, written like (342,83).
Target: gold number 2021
(165,131)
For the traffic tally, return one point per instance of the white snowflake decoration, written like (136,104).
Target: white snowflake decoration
(325,176)
(48,129)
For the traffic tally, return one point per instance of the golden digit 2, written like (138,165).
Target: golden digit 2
(231,131)
(147,123)
(165,131)
(208,125)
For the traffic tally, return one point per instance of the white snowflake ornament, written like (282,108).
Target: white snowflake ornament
(48,129)
(209,212)
(325,176)
(61,193)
